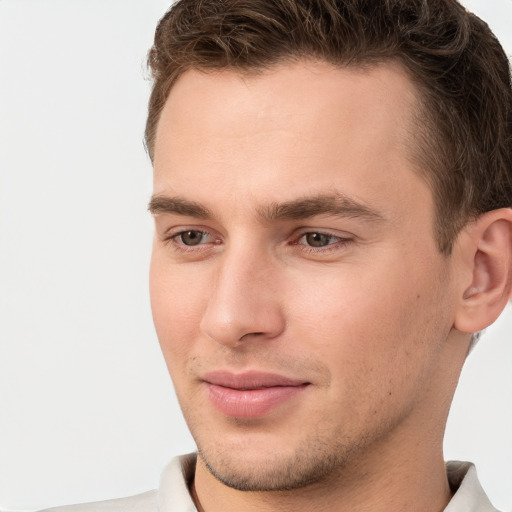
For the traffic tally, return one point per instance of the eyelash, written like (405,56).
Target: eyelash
(176,245)
(339,244)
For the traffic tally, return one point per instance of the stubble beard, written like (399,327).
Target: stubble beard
(313,463)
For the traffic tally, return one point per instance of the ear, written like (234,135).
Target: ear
(486,281)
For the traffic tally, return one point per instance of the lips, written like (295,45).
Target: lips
(250,394)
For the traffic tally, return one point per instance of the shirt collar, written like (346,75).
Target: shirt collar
(174,496)
(469,495)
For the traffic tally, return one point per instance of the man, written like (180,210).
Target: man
(332,193)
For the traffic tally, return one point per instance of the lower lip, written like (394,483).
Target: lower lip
(250,403)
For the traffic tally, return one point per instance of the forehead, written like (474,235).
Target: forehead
(293,127)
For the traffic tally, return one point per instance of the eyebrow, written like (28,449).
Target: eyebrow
(164,204)
(333,204)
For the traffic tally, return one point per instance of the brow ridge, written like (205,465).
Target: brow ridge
(160,204)
(331,204)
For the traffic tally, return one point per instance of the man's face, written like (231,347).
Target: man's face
(298,294)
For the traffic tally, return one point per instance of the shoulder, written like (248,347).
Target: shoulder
(172,496)
(145,502)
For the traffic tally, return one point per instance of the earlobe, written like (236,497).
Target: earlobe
(488,251)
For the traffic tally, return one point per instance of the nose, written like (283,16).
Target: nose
(244,302)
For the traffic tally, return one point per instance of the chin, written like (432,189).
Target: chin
(250,469)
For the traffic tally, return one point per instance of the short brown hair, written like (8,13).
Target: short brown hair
(464,135)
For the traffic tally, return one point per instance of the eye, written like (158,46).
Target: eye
(192,237)
(318,239)
(191,244)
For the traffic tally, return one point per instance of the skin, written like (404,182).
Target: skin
(367,318)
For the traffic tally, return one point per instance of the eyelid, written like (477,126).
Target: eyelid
(178,238)
(339,243)
(183,231)
(171,237)
(342,240)
(174,230)
(326,232)
(327,235)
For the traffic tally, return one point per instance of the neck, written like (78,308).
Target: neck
(416,483)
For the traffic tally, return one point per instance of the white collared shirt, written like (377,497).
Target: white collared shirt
(173,494)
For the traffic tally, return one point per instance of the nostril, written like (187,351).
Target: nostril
(251,334)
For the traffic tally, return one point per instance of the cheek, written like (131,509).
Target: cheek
(378,367)
(371,325)
(177,302)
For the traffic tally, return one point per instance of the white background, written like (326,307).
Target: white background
(87,410)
